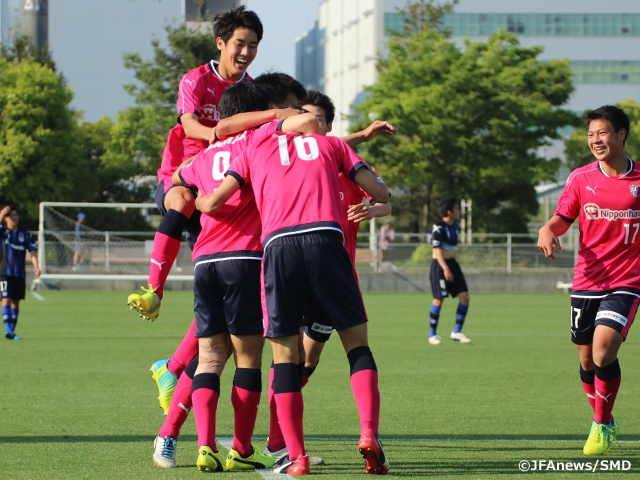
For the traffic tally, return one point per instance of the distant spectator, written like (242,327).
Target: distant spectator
(81,231)
(387,237)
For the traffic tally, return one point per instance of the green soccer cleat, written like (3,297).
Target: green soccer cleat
(166,383)
(256,460)
(147,305)
(600,438)
(615,428)
(210,461)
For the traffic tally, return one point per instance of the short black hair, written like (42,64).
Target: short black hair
(319,99)
(447,205)
(13,207)
(228,21)
(614,115)
(243,97)
(282,85)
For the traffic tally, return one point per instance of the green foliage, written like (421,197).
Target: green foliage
(140,133)
(21,47)
(421,15)
(189,47)
(577,149)
(39,157)
(470,122)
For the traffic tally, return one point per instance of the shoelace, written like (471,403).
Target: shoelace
(169,447)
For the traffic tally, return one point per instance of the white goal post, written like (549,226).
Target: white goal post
(105,255)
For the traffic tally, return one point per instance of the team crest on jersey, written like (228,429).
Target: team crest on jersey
(634,189)
(210,112)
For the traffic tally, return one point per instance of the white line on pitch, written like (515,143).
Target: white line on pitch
(37,295)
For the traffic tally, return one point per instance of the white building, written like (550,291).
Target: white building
(601,39)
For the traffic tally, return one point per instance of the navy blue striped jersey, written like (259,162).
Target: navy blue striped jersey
(15,246)
(445,236)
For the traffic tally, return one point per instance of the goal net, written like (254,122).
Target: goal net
(100,254)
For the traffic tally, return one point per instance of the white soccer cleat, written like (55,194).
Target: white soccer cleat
(460,337)
(435,340)
(164,452)
(283,452)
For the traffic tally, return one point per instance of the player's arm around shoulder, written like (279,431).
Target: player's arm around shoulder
(374,186)
(246,120)
(305,124)
(214,201)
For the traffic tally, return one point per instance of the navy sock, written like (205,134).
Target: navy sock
(434,316)
(461,315)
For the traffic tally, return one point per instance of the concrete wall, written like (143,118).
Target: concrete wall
(411,281)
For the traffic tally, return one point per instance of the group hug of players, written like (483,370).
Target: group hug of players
(271,207)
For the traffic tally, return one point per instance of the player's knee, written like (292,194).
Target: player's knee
(180,199)
(464,298)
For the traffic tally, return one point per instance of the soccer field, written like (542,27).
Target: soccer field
(77,400)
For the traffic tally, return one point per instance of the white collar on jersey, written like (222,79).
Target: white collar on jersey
(213,64)
(620,176)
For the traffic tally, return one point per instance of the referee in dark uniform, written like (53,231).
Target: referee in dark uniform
(446,275)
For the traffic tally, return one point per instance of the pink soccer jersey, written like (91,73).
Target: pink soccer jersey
(233,231)
(199,92)
(350,194)
(608,211)
(295,180)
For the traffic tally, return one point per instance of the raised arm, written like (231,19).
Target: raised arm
(378,127)
(548,235)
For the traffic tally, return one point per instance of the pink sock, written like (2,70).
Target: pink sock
(276,440)
(166,245)
(606,393)
(179,410)
(290,411)
(364,385)
(205,405)
(590,390)
(187,351)
(245,410)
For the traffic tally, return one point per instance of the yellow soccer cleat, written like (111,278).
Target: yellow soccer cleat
(600,438)
(166,383)
(256,460)
(210,461)
(147,304)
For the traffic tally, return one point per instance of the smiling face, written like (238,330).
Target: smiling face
(237,54)
(605,143)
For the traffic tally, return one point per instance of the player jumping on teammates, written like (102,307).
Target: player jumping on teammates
(305,263)
(605,197)
(446,275)
(238,33)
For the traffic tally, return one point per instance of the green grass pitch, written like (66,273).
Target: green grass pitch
(77,400)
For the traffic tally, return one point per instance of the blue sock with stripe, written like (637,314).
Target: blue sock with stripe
(434,316)
(6,318)
(461,315)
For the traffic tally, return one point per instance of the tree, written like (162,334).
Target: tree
(39,158)
(140,132)
(21,47)
(423,15)
(577,150)
(471,122)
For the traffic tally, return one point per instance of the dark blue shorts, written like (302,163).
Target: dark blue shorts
(193,227)
(440,287)
(616,309)
(311,269)
(227,297)
(317,325)
(13,287)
